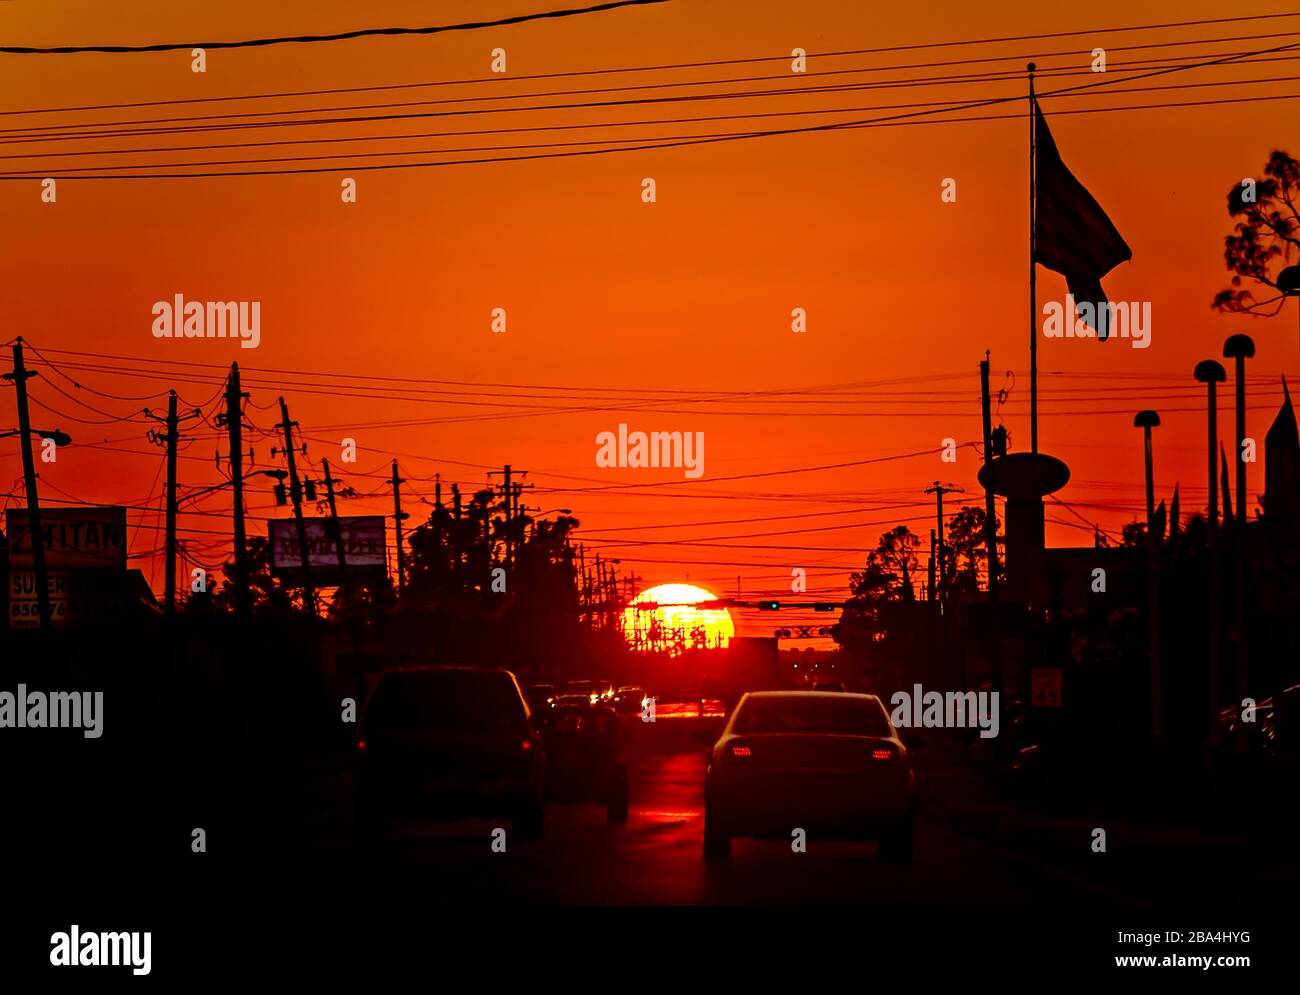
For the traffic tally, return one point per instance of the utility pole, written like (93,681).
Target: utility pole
(398,515)
(335,526)
(507,493)
(939,490)
(934,554)
(991,530)
(19,377)
(172,422)
(234,426)
(337,529)
(295,492)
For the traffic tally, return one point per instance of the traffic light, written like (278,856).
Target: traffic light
(769,606)
(827,606)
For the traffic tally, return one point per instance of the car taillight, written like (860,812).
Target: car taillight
(882,754)
(526,746)
(361,746)
(741,751)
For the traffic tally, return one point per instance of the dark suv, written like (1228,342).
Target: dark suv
(448,742)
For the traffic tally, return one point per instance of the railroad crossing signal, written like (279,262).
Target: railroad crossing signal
(804,632)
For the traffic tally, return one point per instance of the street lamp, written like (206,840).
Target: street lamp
(54,435)
(1147,420)
(1211,373)
(1288,281)
(1240,348)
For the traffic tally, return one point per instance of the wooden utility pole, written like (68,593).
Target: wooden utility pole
(234,427)
(939,490)
(335,526)
(508,493)
(35,535)
(172,421)
(295,492)
(398,515)
(991,530)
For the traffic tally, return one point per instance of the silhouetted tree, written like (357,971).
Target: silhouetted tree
(1267,235)
(886,576)
(267,592)
(895,555)
(967,548)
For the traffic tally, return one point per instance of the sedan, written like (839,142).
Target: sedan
(827,762)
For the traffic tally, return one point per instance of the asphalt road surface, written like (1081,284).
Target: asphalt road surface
(656,857)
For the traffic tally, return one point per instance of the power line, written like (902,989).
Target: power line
(655,146)
(53,131)
(448,134)
(500,78)
(341,36)
(353,156)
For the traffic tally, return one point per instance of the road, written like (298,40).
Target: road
(656,859)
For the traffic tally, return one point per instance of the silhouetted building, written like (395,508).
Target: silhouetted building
(1282,462)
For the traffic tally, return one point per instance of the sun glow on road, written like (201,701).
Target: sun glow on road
(676,625)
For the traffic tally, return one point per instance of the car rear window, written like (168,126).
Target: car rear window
(448,699)
(845,716)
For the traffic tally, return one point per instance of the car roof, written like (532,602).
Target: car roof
(442,667)
(796,695)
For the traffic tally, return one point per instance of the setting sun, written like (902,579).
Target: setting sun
(676,624)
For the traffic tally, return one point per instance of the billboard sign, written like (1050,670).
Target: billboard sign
(75,596)
(75,538)
(363,546)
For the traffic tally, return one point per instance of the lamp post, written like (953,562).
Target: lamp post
(1288,281)
(1211,373)
(1240,348)
(1147,420)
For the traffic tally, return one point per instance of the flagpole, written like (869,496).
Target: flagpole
(1033,272)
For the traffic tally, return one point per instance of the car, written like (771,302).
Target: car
(448,742)
(540,696)
(829,686)
(590,689)
(573,701)
(830,763)
(605,690)
(630,698)
(585,759)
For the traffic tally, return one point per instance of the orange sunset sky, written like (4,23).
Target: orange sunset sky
(619,310)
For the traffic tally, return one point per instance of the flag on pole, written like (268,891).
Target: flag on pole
(1073,235)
